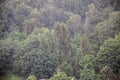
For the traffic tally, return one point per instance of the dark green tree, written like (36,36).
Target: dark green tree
(109,53)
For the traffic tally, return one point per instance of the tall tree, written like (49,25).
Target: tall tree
(63,36)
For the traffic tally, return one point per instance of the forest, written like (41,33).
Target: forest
(59,39)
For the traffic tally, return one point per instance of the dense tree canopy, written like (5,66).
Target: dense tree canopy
(60,39)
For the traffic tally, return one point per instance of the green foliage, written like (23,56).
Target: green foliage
(93,15)
(104,30)
(74,24)
(38,54)
(66,67)
(108,27)
(75,53)
(110,48)
(63,36)
(31,77)
(101,4)
(107,73)
(87,68)
(87,61)
(36,36)
(87,74)
(35,53)
(12,77)
(9,48)
(60,76)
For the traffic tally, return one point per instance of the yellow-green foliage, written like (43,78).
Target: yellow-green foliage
(31,77)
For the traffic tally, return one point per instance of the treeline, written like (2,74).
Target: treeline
(60,39)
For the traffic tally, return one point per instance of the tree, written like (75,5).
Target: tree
(75,53)
(74,24)
(30,24)
(75,6)
(60,76)
(63,35)
(110,48)
(110,26)
(87,71)
(2,16)
(107,73)
(8,48)
(65,67)
(31,77)
(37,54)
(105,29)
(93,16)
(101,4)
